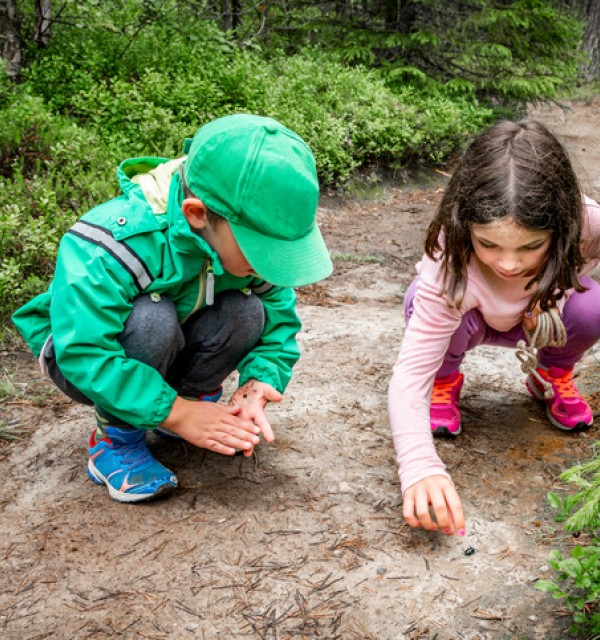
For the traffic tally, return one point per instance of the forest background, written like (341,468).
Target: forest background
(376,87)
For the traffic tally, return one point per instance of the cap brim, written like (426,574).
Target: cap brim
(285,263)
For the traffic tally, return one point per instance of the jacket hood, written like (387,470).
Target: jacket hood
(148,180)
(154,184)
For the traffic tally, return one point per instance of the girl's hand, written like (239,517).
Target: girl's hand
(530,318)
(252,398)
(439,493)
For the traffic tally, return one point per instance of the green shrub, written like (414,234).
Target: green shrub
(82,109)
(351,118)
(578,576)
(51,171)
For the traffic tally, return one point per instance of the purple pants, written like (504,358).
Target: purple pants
(581,317)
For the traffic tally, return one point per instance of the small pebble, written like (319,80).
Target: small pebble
(381,571)
(469,551)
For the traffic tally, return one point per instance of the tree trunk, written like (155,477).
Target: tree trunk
(10,40)
(236,14)
(591,43)
(226,15)
(43,22)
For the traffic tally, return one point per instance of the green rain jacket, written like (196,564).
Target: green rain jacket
(97,278)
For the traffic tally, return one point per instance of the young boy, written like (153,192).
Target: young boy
(159,294)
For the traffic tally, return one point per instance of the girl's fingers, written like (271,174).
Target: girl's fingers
(423,514)
(408,510)
(456,511)
(435,494)
(440,508)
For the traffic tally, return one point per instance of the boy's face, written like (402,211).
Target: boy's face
(219,237)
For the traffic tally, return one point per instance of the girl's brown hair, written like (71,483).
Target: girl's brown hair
(519,171)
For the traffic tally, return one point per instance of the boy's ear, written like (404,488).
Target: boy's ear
(194,211)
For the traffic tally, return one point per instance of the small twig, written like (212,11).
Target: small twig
(182,607)
(485,615)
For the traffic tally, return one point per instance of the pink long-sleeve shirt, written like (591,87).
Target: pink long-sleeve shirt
(427,337)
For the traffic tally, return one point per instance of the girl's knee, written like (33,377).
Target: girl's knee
(581,314)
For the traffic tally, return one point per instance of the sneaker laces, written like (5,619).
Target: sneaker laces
(549,332)
(136,454)
(565,386)
(442,391)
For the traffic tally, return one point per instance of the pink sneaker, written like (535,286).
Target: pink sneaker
(444,414)
(566,410)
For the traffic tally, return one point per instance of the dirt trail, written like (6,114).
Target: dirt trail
(306,540)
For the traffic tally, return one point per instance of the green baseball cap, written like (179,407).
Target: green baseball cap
(261,177)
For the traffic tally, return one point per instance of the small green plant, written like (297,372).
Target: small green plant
(8,389)
(578,583)
(578,576)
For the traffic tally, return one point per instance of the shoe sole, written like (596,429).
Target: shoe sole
(444,432)
(580,426)
(96,477)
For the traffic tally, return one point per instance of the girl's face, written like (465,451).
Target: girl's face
(508,249)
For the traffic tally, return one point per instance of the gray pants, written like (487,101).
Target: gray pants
(194,358)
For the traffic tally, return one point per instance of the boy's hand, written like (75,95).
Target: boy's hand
(252,398)
(439,493)
(217,427)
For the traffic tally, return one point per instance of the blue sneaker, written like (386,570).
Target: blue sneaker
(123,462)
(215,396)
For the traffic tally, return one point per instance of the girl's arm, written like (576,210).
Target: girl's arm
(423,348)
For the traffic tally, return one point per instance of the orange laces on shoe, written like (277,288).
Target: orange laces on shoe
(564,385)
(442,391)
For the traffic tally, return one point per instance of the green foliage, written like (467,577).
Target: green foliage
(582,510)
(578,576)
(525,50)
(352,119)
(50,172)
(125,78)
(578,584)
(349,116)
(513,52)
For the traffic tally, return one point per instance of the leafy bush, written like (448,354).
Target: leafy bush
(51,171)
(512,52)
(578,576)
(129,87)
(351,118)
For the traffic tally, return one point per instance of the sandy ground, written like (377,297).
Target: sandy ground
(306,539)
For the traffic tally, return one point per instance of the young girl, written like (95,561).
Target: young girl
(504,258)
